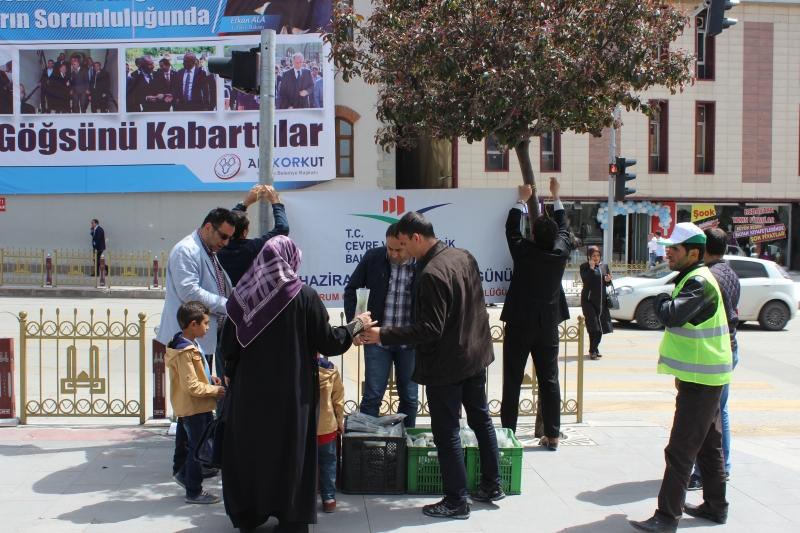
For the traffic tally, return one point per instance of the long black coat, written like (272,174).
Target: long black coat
(593,298)
(270,450)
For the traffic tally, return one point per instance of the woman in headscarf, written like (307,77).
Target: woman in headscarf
(595,276)
(275,327)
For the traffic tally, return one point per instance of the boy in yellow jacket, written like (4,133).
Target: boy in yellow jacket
(192,392)
(331,423)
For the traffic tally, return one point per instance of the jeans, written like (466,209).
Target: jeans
(181,448)
(378,365)
(444,403)
(652,260)
(192,469)
(326,457)
(726,422)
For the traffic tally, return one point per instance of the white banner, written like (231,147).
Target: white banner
(334,229)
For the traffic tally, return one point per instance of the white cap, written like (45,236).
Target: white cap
(685,233)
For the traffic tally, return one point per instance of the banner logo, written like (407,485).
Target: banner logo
(227,166)
(396,205)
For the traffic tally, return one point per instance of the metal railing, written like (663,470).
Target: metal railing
(571,355)
(82,368)
(129,268)
(74,267)
(572,278)
(22,266)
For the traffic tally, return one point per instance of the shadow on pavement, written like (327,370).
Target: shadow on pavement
(612,523)
(621,493)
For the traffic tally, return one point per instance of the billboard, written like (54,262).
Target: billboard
(116,97)
(343,227)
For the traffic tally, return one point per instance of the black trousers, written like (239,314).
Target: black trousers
(696,433)
(594,341)
(543,348)
(444,402)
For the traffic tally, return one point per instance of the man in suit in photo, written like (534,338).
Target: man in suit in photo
(62,59)
(79,82)
(59,90)
(100,86)
(143,89)
(297,85)
(167,83)
(318,92)
(98,245)
(534,307)
(89,64)
(6,90)
(44,84)
(192,93)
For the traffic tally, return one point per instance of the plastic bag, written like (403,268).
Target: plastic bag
(468,438)
(396,430)
(384,426)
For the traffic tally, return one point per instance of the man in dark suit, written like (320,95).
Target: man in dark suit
(144,90)
(167,83)
(62,60)
(98,92)
(98,245)
(79,82)
(192,93)
(44,83)
(297,86)
(60,92)
(533,309)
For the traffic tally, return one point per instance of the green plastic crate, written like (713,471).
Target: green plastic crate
(510,467)
(424,472)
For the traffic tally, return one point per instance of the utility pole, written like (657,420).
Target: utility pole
(608,234)
(266,129)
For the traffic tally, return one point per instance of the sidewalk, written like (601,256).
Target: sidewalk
(56,479)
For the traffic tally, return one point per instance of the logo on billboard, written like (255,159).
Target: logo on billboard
(397,206)
(227,166)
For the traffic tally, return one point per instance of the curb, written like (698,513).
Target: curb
(82,292)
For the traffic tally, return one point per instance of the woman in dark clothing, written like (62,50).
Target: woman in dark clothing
(275,327)
(595,276)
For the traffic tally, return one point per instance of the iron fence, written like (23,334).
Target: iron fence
(22,266)
(129,268)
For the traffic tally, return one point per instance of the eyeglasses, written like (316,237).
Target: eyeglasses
(221,235)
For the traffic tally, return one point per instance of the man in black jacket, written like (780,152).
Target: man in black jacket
(240,252)
(453,347)
(390,275)
(533,309)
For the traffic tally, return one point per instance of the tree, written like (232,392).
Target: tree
(512,69)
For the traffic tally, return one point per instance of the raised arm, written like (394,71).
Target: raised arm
(518,245)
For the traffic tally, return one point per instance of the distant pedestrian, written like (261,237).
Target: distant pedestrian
(696,349)
(331,424)
(652,245)
(595,276)
(389,272)
(660,252)
(98,245)
(193,392)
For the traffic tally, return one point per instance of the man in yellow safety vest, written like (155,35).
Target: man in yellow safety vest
(696,349)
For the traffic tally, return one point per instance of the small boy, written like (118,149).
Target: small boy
(331,423)
(192,392)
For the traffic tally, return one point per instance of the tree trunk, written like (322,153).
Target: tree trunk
(528,178)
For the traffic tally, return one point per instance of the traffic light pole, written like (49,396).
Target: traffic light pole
(608,234)
(266,126)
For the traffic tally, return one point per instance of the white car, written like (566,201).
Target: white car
(768,293)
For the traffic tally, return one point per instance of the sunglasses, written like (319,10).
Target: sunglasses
(222,236)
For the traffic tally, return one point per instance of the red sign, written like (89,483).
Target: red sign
(7,404)
(159,381)
(2,204)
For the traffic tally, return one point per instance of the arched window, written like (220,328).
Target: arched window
(344,148)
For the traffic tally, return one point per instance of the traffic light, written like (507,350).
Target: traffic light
(715,16)
(242,68)
(620,191)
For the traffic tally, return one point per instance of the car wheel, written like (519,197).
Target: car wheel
(646,316)
(773,316)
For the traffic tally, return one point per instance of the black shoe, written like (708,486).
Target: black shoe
(695,482)
(599,355)
(654,525)
(702,511)
(210,472)
(593,356)
(440,509)
(492,494)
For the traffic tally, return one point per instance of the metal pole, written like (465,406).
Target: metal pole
(608,235)
(142,377)
(266,126)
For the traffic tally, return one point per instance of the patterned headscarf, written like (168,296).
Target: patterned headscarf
(266,288)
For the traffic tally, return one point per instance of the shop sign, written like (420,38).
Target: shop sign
(709,224)
(746,227)
(753,220)
(759,211)
(700,212)
(769,233)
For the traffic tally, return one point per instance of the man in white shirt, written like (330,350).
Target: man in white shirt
(652,244)
(660,251)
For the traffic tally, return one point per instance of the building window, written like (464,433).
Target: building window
(659,124)
(705,49)
(344,148)
(496,160)
(550,152)
(704,138)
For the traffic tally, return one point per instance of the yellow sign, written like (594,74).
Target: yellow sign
(701,212)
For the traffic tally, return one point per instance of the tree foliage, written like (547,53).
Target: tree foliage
(513,69)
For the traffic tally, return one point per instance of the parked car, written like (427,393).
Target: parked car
(768,293)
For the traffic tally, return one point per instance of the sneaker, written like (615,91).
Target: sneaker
(695,483)
(203,498)
(492,494)
(329,506)
(178,478)
(440,509)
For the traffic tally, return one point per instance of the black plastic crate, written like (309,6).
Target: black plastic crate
(373,465)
